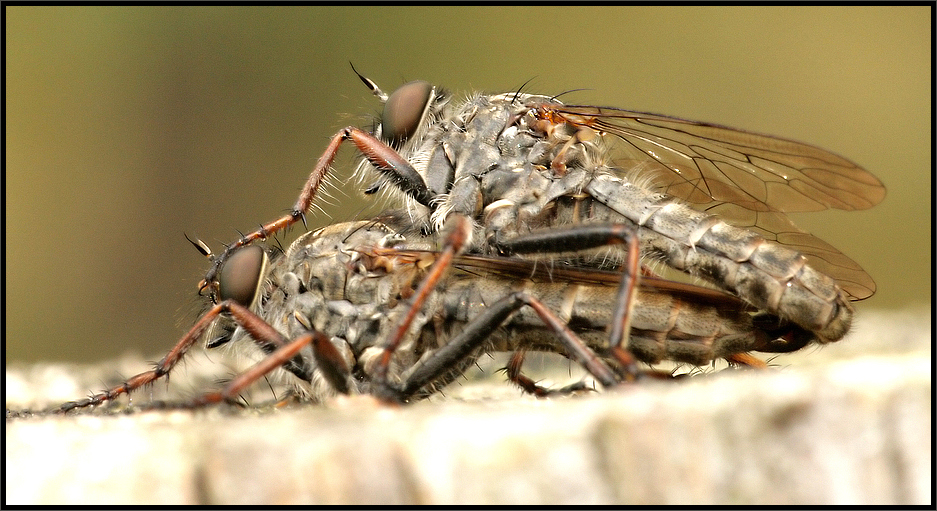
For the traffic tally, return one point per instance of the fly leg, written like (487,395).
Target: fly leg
(276,359)
(476,333)
(746,360)
(584,237)
(262,333)
(513,371)
(526,384)
(454,244)
(382,156)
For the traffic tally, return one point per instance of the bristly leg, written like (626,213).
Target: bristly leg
(381,155)
(259,330)
(476,333)
(514,374)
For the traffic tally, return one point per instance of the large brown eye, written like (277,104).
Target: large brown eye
(404,110)
(240,277)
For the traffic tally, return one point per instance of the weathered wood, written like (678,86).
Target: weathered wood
(850,426)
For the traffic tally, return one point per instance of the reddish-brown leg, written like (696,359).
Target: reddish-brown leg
(382,156)
(258,370)
(744,359)
(462,229)
(258,329)
(514,374)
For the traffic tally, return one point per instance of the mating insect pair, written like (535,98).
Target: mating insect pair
(323,311)
(578,189)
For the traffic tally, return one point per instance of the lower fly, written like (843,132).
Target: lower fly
(336,313)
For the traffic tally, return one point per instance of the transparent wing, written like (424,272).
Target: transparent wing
(538,271)
(750,180)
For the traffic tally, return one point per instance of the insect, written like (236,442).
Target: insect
(587,190)
(519,163)
(701,199)
(318,316)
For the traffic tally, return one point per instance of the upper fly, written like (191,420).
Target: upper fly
(706,199)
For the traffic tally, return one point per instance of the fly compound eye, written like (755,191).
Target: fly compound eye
(404,110)
(241,275)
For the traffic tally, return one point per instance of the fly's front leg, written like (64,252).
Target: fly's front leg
(382,156)
(587,236)
(283,352)
(276,359)
(244,317)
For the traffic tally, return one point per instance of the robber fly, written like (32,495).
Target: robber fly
(323,316)
(702,199)
(595,189)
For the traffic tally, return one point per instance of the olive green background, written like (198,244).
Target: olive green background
(127,126)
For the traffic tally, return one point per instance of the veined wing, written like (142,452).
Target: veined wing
(539,271)
(750,180)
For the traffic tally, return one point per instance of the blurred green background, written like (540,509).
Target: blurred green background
(127,126)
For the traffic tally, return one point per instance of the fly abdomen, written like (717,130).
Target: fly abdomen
(765,274)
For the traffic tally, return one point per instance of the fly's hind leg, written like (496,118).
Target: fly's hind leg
(587,236)
(473,337)
(514,374)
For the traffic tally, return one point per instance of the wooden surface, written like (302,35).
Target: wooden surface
(846,424)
